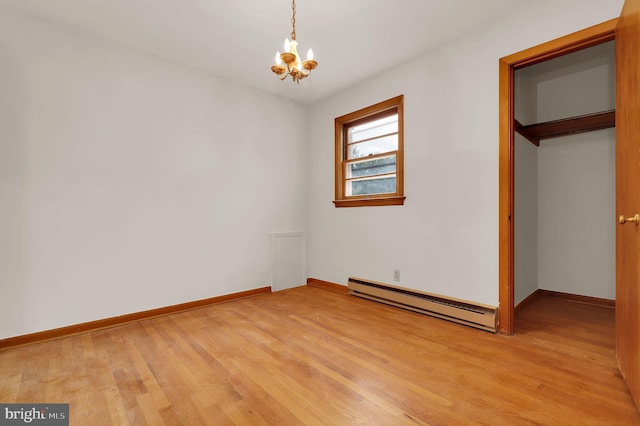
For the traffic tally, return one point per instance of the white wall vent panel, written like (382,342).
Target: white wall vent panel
(288,260)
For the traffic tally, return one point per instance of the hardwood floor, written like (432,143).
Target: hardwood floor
(311,356)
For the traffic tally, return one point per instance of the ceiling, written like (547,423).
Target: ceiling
(237,39)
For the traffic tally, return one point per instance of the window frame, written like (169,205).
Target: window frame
(370,113)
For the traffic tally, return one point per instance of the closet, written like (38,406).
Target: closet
(564,234)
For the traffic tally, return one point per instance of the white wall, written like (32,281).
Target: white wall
(129,183)
(580,83)
(570,180)
(445,238)
(525,250)
(576,240)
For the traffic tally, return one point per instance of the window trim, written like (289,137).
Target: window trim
(341,125)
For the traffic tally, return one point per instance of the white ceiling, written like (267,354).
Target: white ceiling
(237,39)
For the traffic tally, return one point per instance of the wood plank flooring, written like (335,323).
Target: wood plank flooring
(308,356)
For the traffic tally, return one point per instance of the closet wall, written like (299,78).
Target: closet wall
(565,188)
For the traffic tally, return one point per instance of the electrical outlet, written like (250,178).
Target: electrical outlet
(396,274)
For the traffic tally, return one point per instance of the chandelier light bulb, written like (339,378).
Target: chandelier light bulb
(287,45)
(278,61)
(310,54)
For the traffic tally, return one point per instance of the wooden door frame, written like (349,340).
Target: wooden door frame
(588,37)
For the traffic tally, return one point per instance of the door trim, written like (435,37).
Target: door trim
(583,39)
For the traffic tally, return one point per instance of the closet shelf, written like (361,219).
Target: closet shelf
(566,126)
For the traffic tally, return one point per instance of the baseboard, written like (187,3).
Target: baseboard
(124,319)
(326,285)
(596,301)
(526,301)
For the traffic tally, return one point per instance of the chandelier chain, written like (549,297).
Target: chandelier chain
(293,19)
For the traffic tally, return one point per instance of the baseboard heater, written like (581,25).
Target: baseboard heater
(463,312)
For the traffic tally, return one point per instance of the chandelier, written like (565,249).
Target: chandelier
(293,65)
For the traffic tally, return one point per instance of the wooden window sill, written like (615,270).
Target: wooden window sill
(364,202)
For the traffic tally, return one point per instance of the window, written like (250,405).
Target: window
(369,156)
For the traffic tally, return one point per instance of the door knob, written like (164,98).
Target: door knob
(635,219)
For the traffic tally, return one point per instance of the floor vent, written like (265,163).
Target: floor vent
(460,311)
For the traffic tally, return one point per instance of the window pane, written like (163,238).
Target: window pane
(374,128)
(372,186)
(372,167)
(373,147)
